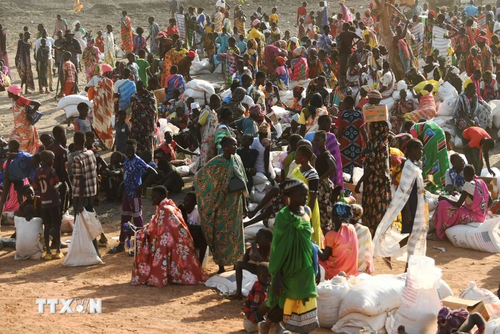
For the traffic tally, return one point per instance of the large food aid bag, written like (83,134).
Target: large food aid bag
(373,296)
(73,100)
(484,238)
(420,302)
(330,295)
(493,327)
(226,282)
(476,293)
(28,236)
(71,110)
(446,90)
(81,250)
(195,94)
(201,85)
(354,322)
(447,107)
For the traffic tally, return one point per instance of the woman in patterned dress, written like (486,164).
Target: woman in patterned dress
(90,59)
(143,104)
(23,132)
(104,107)
(165,248)
(221,210)
(352,135)
(126,32)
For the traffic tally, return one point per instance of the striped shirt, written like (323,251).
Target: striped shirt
(126,90)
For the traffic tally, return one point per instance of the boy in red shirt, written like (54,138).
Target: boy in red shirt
(47,182)
(255,306)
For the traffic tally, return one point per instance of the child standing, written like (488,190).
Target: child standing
(69,75)
(191,217)
(82,122)
(47,182)
(140,41)
(144,67)
(256,253)
(255,306)
(122,131)
(134,168)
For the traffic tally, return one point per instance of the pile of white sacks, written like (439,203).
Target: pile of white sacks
(384,302)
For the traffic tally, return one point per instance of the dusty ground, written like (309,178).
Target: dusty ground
(172,309)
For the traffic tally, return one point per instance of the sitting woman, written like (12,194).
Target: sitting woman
(426,107)
(165,251)
(471,207)
(341,244)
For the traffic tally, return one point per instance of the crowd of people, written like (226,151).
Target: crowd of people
(333,68)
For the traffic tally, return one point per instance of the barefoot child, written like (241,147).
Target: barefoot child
(191,217)
(255,306)
(82,122)
(134,168)
(47,182)
(257,252)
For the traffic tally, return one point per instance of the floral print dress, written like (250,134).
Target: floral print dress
(165,251)
(377,188)
(143,120)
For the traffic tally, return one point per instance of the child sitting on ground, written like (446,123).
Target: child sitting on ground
(122,131)
(255,306)
(341,244)
(365,245)
(47,181)
(256,253)
(191,217)
(168,149)
(82,122)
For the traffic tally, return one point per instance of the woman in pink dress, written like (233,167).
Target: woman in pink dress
(24,132)
(165,251)
(471,207)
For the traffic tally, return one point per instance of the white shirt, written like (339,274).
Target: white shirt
(193,218)
(118,83)
(94,81)
(496,27)
(259,164)
(49,41)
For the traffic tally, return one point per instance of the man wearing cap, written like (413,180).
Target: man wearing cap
(71,45)
(185,64)
(49,42)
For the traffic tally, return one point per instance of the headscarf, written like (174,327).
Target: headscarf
(265,128)
(106,68)
(433,13)
(238,95)
(191,54)
(343,211)
(368,12)
(374,94)
(298,89)
(255,110)
(75,23)
(299,51)
(255,23)
(280,60)
(15,89)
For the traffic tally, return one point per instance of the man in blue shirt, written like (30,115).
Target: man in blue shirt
(471,10)
(124,89)
(134,168)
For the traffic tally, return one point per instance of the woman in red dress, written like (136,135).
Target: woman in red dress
(165,251)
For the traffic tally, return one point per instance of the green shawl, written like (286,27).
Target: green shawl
(291,253)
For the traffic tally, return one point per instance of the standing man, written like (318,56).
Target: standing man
(154,29)
(346,39)
(58,147)
(49,42)
(61,24)
(109,46)
(84,178)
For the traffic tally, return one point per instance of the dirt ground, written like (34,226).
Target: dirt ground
(172,309)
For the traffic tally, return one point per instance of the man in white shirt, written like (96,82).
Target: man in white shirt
(50,44)
(496,27)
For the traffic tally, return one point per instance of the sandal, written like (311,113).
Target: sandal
(117,249)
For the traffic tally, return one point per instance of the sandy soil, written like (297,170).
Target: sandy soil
(190,309)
